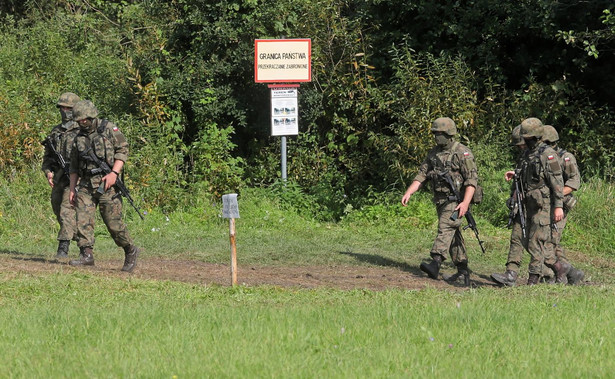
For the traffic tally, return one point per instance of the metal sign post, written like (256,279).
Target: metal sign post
(283,148)
(283,61)
(284,115)
(230,210)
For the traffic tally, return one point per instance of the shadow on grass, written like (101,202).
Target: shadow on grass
(378,260)
(31,257)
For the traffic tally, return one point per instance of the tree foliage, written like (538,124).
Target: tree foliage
(177,76)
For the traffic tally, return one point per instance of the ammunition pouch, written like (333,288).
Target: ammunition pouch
(477,198)
(96,171)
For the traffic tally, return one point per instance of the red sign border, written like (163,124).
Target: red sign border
(309,41)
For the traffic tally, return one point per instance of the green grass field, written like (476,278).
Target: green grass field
(85,326)
(79,323)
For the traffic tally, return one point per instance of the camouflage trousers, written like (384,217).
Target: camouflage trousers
(539,240)
(555,245)
(556,239)
(110,208)
(64,211)
(517,247)
(449,239)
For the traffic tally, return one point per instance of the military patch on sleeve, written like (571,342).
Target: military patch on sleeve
(115,129)
(555,167)
(550,157)
(466,154)
(566,159)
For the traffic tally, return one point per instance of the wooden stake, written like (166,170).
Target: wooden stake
(233,252)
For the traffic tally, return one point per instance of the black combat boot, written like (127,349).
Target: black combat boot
(575,276)
(462,272)
(433,268)
(508,279)
(547,279)
(63,249)
(561,270)
(131,253)
(86,257)
(533,279)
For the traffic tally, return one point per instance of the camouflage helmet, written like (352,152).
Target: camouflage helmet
(515,138)
(444,124)
(84,109)
(68,99)
(549,134)
(531,127)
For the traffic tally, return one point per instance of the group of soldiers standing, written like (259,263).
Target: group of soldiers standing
(74,152)
(545,177)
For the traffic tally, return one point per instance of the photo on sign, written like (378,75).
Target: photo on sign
(284,126)
(285,111)
(285,121)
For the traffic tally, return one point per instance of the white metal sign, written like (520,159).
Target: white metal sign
(230,208)
(282,60)
(284,112)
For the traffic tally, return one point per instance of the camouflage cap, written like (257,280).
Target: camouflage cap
(68,99)
(515,138)
(549,134)
(84,109)
(444,124)
(531,127)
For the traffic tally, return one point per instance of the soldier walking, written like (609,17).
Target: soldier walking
(98,140)
(572,182)
(448,156)
(541,176)
(58,145)
(517,238)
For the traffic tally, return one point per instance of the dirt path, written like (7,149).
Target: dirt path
(339,277)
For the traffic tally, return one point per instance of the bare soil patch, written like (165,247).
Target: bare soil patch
(344,277)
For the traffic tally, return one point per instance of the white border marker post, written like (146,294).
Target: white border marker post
(230,210)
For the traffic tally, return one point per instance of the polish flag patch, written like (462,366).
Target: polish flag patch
(550,157)
(466,154)
(115,129)
(566,159)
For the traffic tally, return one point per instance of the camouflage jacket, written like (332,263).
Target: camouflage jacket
(460,165)
(570,169)
(108,144)
(62,136)
(542,178)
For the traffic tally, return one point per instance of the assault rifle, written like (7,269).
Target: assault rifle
(517,208)
(471,222)
(48,142)
(104,168)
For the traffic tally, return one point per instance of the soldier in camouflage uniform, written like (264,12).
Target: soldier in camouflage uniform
(102,138)
(447,156)
(62,136)
(572,182)
(541,175)
(517,243)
